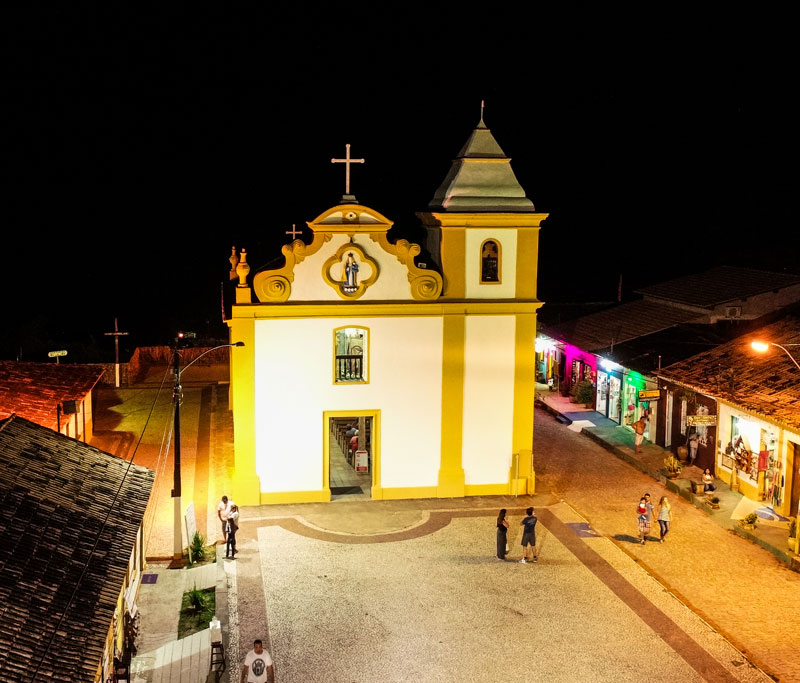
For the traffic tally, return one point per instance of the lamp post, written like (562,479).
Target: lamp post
(763,347)
(177,547)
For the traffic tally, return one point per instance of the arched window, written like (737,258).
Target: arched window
(490,262)
(350,355)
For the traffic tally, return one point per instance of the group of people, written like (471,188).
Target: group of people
(645,511)
(228,513)
(529,553)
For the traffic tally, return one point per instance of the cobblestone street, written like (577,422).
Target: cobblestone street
(735,585)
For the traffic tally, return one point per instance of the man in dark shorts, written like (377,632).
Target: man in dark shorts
(529,537)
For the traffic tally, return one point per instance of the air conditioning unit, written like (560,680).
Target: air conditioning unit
(733,311)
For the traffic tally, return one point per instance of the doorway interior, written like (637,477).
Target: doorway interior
(350,456)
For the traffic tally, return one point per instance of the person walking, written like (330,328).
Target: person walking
(641,516)
(664,516)
(694,441)
(223,508)
(258,666)
(502,530)
(638,432)
(529,536)
(231,528)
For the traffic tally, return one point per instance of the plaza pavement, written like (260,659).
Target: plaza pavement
(340,589)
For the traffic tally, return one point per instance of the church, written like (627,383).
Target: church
(385,369)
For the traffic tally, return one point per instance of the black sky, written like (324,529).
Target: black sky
(140,144)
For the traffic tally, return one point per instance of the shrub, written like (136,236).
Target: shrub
(583,392)
(752,518)
(715,500)
(197,548)
(672,464)
(196,599)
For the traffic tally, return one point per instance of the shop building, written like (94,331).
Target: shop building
(749,406)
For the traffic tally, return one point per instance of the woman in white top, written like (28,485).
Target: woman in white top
(664,516)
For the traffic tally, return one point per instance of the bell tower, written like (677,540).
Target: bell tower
(481,228)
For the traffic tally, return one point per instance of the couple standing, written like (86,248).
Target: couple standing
(528,536)
(228,513)
(645,512)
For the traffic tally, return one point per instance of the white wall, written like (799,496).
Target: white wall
(507,239)
(294,385)
(392,282)
(488,398)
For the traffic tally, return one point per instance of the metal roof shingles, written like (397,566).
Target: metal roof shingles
(769,386)
(32,390)
(719,285)
(53,500)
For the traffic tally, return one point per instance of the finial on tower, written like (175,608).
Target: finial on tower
(481,124)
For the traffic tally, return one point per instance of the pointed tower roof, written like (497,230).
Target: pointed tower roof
(481,179)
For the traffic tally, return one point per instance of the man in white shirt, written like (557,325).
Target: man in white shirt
(257,666)
(223,508)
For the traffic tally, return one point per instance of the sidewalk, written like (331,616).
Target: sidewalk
(770,533)
(161,656)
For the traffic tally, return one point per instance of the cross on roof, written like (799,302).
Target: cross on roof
(294,232)
(347,161)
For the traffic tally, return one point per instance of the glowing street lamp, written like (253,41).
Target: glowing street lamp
(763,347)
(177,392)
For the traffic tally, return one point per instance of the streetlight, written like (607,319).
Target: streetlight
(763,347)
(177,547)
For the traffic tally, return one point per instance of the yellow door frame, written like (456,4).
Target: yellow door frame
(376,492)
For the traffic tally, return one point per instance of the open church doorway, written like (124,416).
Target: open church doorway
(350,451)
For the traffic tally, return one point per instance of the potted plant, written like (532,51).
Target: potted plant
(749,522)
(713,502)
(673,466)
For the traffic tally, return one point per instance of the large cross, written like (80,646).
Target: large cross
(116,334)
(293,232)
(347,161)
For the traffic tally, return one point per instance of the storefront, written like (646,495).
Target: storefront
(575,366)
(755,456)
(609,388)
(546,362)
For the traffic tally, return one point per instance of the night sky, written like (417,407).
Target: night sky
(139,145)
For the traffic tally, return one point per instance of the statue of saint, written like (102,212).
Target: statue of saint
(351,272)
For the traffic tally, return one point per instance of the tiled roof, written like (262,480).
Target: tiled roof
(765,384)
(599,331)
(32,390)
(55,493)
(719,285)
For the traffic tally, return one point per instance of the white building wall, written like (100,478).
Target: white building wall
(488,398)
(507,239)
(294,386)
(392,282)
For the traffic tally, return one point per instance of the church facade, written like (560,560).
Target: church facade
(363,360)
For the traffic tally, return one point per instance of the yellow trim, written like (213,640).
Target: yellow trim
(286,497)
(274,286)
(337,285)
(451,469)
(376,493)
(499,280)
(335,310)
(324,224)
(521,221)
(527,260)
(245,481)
(404,492)
(365,356)
(524,390)
(425,284)
(486,490)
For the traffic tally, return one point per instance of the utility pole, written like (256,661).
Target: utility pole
(116,334)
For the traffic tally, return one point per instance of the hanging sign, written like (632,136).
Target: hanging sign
(701,420)
(649,394)
(361,461)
